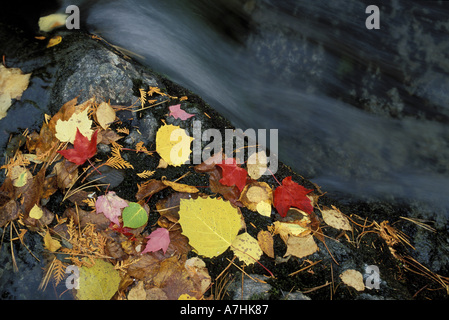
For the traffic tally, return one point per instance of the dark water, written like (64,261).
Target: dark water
(360,112)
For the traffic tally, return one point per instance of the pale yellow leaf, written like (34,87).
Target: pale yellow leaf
(301,246)
(105,115)
(50,243)
(12,84)
(335,218)
(66,130)
(36,212)
(246,248)
(353,278)
(257,164)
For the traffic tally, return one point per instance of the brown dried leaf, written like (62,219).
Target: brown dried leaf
(148,188)
(265,240)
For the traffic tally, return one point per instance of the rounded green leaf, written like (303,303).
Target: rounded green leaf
(134,216)
(99,282)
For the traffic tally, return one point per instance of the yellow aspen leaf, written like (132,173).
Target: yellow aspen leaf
(66,130)
(48,23)
(257,196)
(105,115)
(36,212)
(186,296)
(246,248)
(173,144)
(99,282)
(210,224)
(50,243)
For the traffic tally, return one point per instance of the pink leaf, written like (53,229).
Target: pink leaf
(178,113)
(158,239)
(110,205)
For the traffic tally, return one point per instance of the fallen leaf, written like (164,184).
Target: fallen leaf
(246,248)
(66,131)
(159,239)
(66,173)
(257,196)
(36,212)
(138,292)
(257,164)
(50,243)
(179,186)
(99,282)
(48,23)
(12,84)
(173,145)
(105,115)
(335,218)
(83,149)
(110,205)
(265,240)
(134,216)
(301,246)
(291,194)
(178,113)
(210,224)
(20,176)
(353,278)
(233,174)
(148,188)
(9,211)
(54,41)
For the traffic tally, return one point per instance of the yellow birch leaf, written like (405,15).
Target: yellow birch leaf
(246,248)
(105,115)
(48,23)
(66,130)
(50,243)
(36,212)
(210,224)
(173,144)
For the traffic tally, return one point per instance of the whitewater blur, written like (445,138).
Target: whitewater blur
(294,72)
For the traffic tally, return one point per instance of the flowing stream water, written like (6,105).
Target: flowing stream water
(363,113)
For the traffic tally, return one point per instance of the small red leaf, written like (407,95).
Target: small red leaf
(291,194)
(158,239)
(233,175)
(178,113)
(83,149)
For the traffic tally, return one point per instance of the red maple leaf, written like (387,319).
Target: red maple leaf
(158,239)
(233,175)
(291,194)
(83,149)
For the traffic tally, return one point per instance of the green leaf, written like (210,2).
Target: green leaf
(134,216)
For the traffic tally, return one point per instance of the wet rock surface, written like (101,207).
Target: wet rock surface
(86,66)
